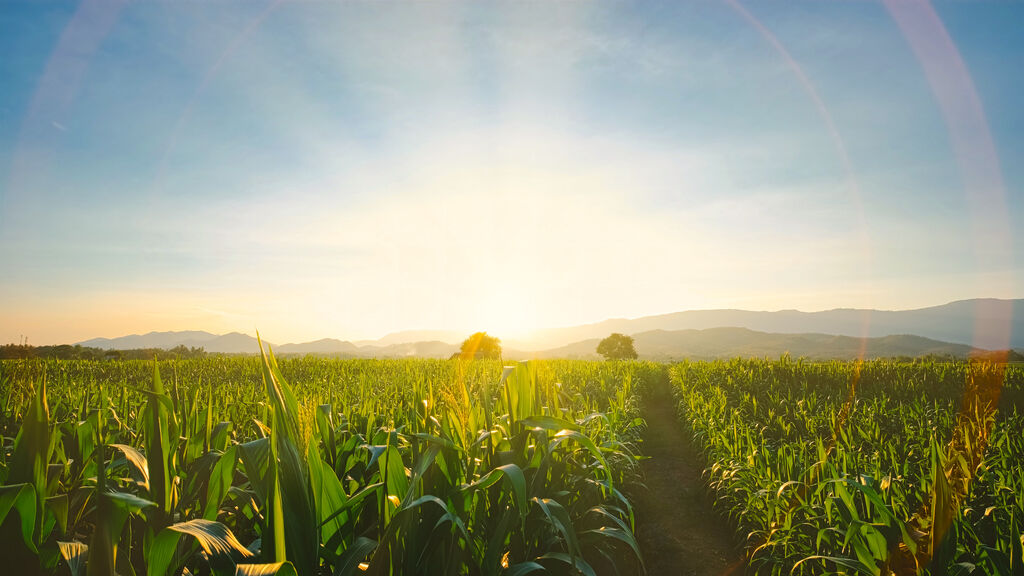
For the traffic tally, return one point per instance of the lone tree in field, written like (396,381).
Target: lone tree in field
(617,347)
(480,345)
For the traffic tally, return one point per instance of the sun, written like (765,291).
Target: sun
(510,325)
(507,313)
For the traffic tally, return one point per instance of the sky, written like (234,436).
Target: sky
(351,169)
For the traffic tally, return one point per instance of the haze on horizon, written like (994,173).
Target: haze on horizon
(348,170)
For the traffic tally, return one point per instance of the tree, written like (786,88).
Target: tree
(617,347)
(480,345)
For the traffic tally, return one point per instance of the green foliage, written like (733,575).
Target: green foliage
(480,346)
(311,466)
(617,347)
(863,468)
(78,352)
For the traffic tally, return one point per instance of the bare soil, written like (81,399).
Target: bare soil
(678,531)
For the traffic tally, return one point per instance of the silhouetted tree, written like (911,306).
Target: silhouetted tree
(617,347)
(480,345)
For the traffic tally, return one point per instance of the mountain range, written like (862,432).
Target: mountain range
(713,343)
(238,343)
(985,323)
(954,329)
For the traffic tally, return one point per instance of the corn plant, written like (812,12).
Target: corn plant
(313,466)
(863,468)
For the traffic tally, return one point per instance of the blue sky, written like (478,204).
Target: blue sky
(350,169)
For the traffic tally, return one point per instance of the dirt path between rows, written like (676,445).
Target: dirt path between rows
(678,532)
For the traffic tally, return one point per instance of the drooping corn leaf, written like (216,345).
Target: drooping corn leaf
(138,463)
(112,511)
(217,541)
(74,554)
(589,445)
(558,517)
(548,423)
(562,558)
(512,474)
(276,569)
(255,456)
(348,563)
(22,499)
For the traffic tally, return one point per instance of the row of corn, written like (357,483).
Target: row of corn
(873,468)
(313,466)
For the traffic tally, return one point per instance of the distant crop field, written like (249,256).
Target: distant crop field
(318,466)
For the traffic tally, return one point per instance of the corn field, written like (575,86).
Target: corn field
(252,466)
(871,468)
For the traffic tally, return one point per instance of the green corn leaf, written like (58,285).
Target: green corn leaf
(1016,549)
(401,519)
(348,563)
(292,484)
(998,561)
(138,463)
(256,459)
(548,423)
(217,541)
(328,494)
(129,503)
(422,464)
(220,436)
(624,536)
(392,469)
(569,560)
(58,506)
(277,543)
(513,476)
(112,511)
(355,500)
(22,499)
(161,439)
(589,445)
(31,456)
(882,509)
(559,518)
(847,563)
(220,483)
(942,510)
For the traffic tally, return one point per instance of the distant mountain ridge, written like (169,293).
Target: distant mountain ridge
(238,343)
(231,343)
(715,343)
(955,328)
(984,322)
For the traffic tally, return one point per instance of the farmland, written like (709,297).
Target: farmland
(874,468)
(224,466)
(252,465)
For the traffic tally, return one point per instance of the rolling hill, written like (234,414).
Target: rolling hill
(955,328)
(985,323)
(741,342)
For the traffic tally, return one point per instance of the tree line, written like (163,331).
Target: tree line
(77,352)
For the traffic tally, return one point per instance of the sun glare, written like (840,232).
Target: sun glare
(507,314)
